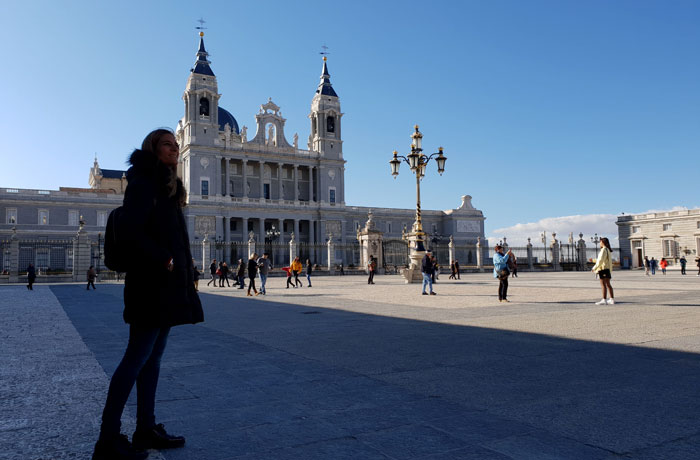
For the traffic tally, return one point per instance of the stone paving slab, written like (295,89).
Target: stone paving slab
(347,370)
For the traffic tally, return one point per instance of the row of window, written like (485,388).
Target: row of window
(266,191)
(43,217)
(666,227)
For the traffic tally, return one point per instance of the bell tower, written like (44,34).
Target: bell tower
(200,124)
(325,116)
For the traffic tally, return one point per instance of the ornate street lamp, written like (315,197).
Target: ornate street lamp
(418,162)
(271,235)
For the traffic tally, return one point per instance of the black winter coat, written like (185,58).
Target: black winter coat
(156,231)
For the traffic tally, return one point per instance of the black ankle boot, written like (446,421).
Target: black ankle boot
(157,438)
(118,448)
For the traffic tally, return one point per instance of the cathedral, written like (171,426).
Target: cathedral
(240,184)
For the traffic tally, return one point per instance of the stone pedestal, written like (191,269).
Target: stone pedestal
(581,253)
(292,249)
(530,263)
(370,240)
(206,253)
(479,255)
(251,244)
(14,257)
(452,250)
(331,253)
(556,265)
(81,255)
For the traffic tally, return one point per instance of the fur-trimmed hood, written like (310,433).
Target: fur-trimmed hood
(146,165)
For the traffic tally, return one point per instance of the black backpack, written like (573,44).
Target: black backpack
(115,245)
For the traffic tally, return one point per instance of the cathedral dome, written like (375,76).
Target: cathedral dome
(226,117)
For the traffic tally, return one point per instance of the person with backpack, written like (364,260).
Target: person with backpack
(371,268)
(158,293)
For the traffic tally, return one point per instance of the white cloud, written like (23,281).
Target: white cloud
(589,224)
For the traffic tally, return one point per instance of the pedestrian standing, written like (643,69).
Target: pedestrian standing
(603,267)
(240,274)
(342,271)
(500,271)
(453,273)
(309,270)
(212,269)
(195,275)
(647,265)
(653,262)
(252,273)
(426,268)
(457,269)
(31,277)
(371,268)
(683,262)
(296,270)
(158,294)
(91,275)
(663,264)
(433,259)
(264,267)
(513,265)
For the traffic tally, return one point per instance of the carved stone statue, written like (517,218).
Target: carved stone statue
(251,236)
(244,134)
(296,140)
(271,135)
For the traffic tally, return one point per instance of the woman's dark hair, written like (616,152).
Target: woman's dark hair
(606,243)
(497,247)
(150,143)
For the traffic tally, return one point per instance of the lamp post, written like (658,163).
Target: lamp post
(418,162)
(272,234)
(543,237)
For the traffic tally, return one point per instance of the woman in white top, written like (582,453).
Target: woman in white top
(603,267)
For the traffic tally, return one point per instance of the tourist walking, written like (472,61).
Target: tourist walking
(31,277)
(500,271)
(371,268)
(288,271)
(252,273)
(697,262)
(342,270)
(426,268)
(264,267)
(457,269)
(309,270)
(240,274)
(683,263)
(158,294)
(212,269)
(653,263)
(296,270)
(224,275)
(436,269)
(91,276)
(603,268)
(647,265)
(663,264)
(453,271)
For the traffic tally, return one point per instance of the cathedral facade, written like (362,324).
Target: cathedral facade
(239,182)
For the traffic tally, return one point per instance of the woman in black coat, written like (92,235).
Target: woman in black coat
(158,294)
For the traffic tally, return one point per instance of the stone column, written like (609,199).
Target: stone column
(530,261)
(244,230)
(261,233)
(555,253)
(14,256)
(296,183)
(451,245)
(479,255)
(81,255)
(245,183)
(206,253)
(296,227)
(312,232)
(228,179)
(292,248)
(280,167)
(581,252)
(331,253)
(227,229)
(217,172)
(262,179)
(311,184)
(251,244)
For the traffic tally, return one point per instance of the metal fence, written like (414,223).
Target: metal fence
(395,253)
(48,256)
(317,253)
(349,252)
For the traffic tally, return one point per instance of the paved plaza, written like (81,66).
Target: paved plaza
(345,370)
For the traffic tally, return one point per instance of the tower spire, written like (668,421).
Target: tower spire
(201,65)
(324,87)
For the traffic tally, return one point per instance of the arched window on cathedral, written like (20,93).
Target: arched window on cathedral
(330,124)
(204,106)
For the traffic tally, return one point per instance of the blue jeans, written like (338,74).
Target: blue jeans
(427,279)
(140,365)
(263,280)
(308,278)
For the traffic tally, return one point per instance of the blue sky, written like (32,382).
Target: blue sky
(545,108)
